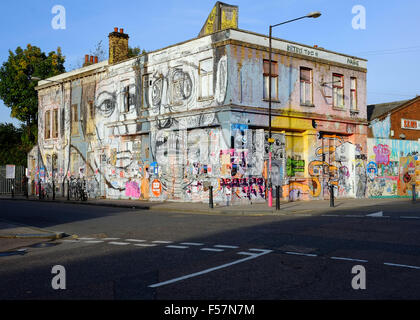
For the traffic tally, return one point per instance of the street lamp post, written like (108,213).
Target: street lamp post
(315,14)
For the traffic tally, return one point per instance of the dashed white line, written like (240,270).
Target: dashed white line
(161,241)
(119,243)
(192,243)
(212,249)
(301,254)
(83,239)
(177,247)
(400,265)
(225,246)
(135,240)
(348,259)
(145,245)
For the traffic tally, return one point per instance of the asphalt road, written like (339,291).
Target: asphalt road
(114,253)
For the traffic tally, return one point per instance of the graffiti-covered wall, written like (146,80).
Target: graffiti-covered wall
(392,167)
(169,124)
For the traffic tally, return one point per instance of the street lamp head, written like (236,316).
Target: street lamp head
(36,78)
(315,14)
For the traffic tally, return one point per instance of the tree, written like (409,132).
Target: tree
(12,151)
(135,51)
(17,89)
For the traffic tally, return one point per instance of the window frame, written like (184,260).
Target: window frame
(54,123)
(338,88)
(310,83)
(274,80)
(47,124)
(209,77)
(74,123)
(353,100)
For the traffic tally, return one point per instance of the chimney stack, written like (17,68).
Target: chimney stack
(96,59)
(118,46)
(91,59)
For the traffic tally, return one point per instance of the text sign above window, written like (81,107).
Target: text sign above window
(410,124)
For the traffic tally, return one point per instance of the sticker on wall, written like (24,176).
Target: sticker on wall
(156,187)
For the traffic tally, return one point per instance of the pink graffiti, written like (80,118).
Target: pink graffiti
(382,153)
(132,189)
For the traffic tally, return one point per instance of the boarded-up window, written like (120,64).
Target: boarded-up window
(206,78)
(47,121)
(353,93)
(274,79)
(55,123)
(74,119)
(91,118)
(305,86)
(338,90)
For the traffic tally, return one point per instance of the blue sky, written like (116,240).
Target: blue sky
(390,41)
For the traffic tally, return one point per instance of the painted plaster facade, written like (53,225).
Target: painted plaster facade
(168,124)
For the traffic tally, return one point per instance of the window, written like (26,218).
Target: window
(353,93)
(205,72)
(305,86)
(74,120)
(91,117)
(47,129)
(338,90)
(127,101)
(147,84)
(55,123)
(274,77)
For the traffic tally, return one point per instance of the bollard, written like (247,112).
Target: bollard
(39,189)
(63,189)
(53,187)
(331,195)
(277,197)
(413,199)
(211,197)
(13,189)
(68,190)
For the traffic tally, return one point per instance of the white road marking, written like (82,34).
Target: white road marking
(401,265)
(379,214)
(119,243)
(145,245)
(254,256)
(135,240)
(212,249)
(301,254)
(83,239)
(225,246)
(94,241)
(177,247)
(408,217)
(330,215)
(159,241)
(348,259)
(192,243)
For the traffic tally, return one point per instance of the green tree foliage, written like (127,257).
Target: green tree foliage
(17,89)
(12,151)
(135,51)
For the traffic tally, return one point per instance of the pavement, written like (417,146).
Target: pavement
(14,237)
(258,208)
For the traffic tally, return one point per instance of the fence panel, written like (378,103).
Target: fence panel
(19,181)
